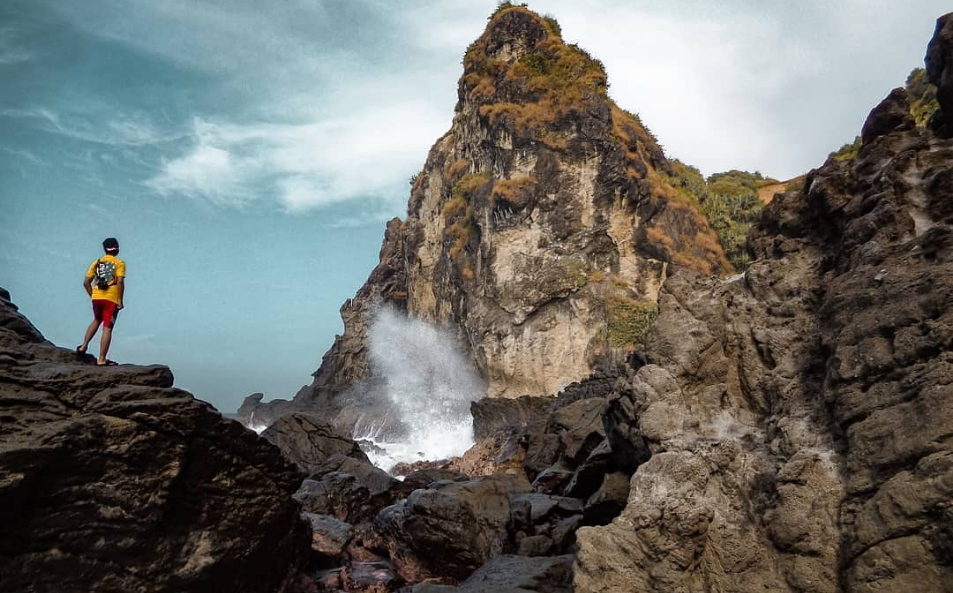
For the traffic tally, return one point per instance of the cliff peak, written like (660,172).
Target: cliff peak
(538,231)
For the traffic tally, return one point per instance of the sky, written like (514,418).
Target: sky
(247,154)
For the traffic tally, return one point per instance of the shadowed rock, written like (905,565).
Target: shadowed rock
(796,420)
(309,441)
(347,488)
(112,480)
(892,114)
(513,574)
(939,67)
(450,530)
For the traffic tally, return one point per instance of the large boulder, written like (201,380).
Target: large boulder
(329,535)
(112,480)
(451,529)
(349,489)
(492,415)
(309,441)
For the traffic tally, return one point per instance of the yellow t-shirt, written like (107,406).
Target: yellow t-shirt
(112,292)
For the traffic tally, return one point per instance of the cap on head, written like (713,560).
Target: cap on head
(111,245)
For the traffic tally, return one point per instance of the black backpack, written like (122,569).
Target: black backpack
(104,274)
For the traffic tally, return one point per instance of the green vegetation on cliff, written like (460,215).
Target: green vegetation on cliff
(531,87)
(922,96)
(729,201)
(629,319)
(461,227)
(551,81)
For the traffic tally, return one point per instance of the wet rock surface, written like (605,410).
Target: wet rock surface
(113,480)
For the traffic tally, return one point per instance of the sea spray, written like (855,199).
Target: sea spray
(428,384)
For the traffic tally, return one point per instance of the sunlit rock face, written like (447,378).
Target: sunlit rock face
(542,211)
(538,231)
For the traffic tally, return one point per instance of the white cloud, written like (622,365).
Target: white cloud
(207,171)
(320,161)
(327,103)
(119,129)
(365,219)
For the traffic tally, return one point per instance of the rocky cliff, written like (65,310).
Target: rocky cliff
(539,230)
(111,480)
(799,420)
(786,430)
(789,429)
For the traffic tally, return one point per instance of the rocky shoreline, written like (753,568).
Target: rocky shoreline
(787,429)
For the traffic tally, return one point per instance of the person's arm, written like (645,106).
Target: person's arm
(121,283)
(88,282)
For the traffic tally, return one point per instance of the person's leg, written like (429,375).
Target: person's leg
(104,343)
(91,330)
(110,313)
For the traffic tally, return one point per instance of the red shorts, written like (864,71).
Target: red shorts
(105,311)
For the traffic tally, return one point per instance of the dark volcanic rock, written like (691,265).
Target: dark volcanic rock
(450,530)
(491,415)
(892,114)
(798,419)
(371,577)
(566,437)
(553,479)
(329,535)
(309,441)
(588,476)
(608,501)
(425,477)
(252,413)
(535,545)
(112,480)
(579,427)
(405,469)
(347,488)
(513,574)
(939,67)
(544,507)
(432,534)
(503,453)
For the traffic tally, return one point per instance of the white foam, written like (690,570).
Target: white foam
(252,425)
(258,428)
(430,384)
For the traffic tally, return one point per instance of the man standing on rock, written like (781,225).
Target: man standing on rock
(105,284)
